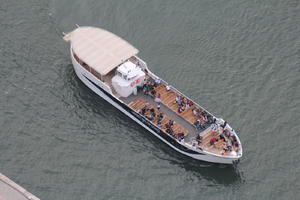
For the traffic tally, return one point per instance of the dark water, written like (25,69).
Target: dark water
(240,59)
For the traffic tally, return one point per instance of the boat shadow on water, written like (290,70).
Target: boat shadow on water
(219,173)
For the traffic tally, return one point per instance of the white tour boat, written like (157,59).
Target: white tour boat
(110,67)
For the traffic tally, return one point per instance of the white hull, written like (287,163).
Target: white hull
(86,77)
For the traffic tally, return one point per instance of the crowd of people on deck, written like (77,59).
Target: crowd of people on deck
(203,118)
(150,114)
(182,103)
(149,87)
(228,136)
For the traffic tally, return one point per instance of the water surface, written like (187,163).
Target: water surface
(239,59)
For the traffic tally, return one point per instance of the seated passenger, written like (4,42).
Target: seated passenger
(222,136)
(190,103)
(168,88)
(157,99)
(167,126)
(160,117)
(214,127)
(209,119)
(177,99)
(151,117)
(180,109)
(198,124)
(204,118)
(152,110)
(213,141)
(157,82)
(199,139)
(170,131)
(158,106)
(232,133)
(223,125)
(158,124)
(171,122)
(153,93)
(144,110)
(146,89)
(195,111)
(180,136)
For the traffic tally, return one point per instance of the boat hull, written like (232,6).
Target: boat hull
(104,91)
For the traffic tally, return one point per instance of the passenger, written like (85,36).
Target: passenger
(209,119)
(198,124)
(199,139)
(157,82)
(227,148)
(152,110)
(146,89)
(158,106)
(195,111)
(184,101)
(227,133)
(170,131)
(153,93)
(168,88)
(204,118)
(177,99)
(158,124)
(157,99)
(171,122)
(151,117)
(144,109)
(232,133)
(222,137)
(214,127)
(213,141)
(167,125)
(223,125)
(190,103)
(160,117)
(180,109)
(180,136)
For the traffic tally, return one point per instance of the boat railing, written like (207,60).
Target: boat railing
(136,60)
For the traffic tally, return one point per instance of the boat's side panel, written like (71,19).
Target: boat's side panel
(87,78)
(81,70)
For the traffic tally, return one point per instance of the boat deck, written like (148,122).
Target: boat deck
(183,121)
(139,103)
(168,99)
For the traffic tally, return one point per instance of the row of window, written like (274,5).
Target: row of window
(88,68)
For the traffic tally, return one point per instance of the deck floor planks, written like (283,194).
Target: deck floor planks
(140,103)
(168,99)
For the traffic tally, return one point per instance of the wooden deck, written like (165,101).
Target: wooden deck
(139,103)
(168,99)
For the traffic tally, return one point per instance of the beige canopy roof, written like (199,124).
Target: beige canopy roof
(100,49)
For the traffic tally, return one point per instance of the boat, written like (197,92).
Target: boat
(110,67)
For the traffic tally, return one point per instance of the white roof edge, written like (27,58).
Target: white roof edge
(99,48)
